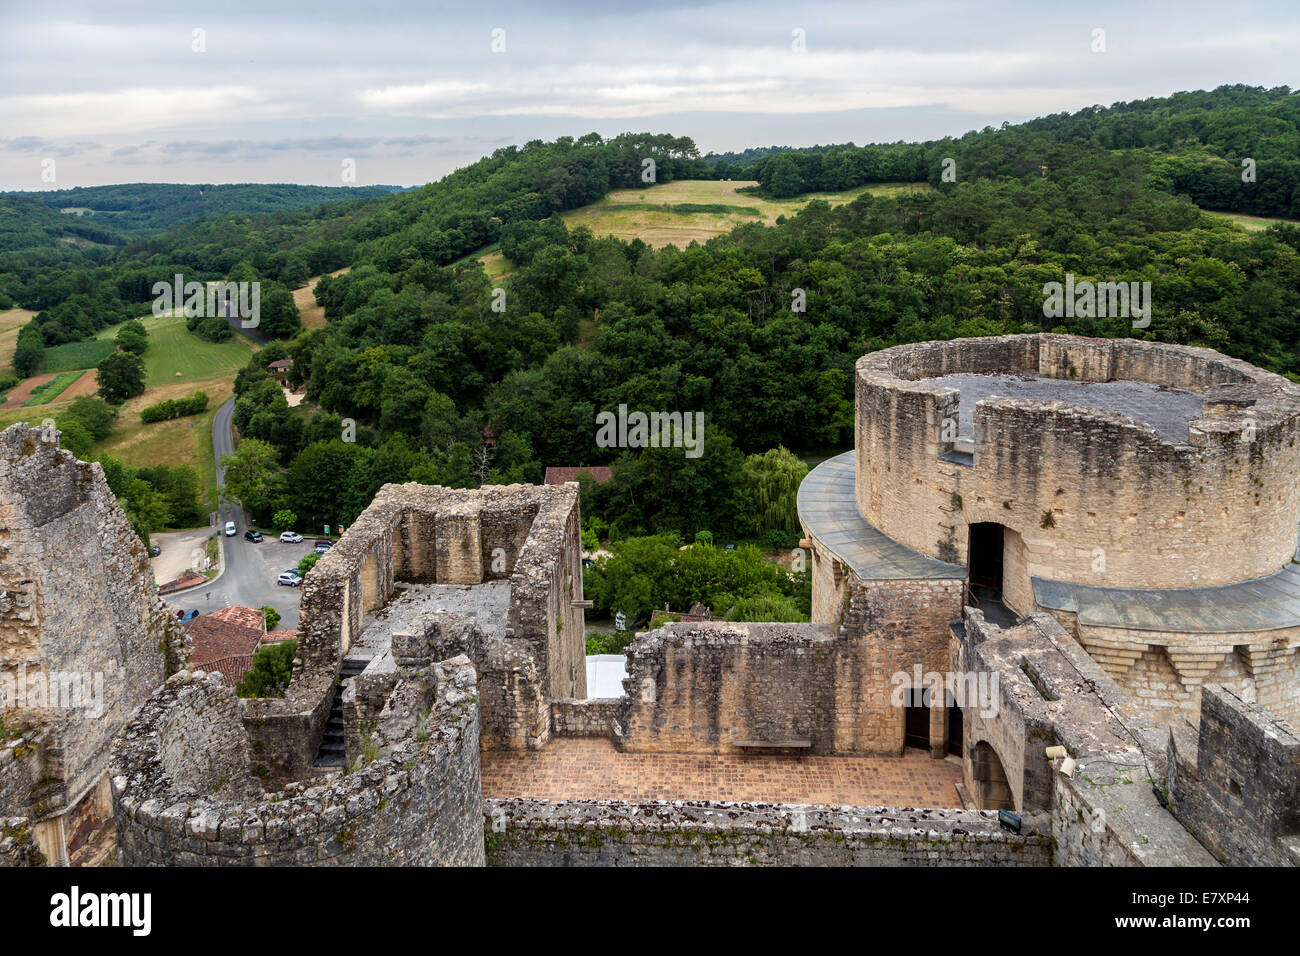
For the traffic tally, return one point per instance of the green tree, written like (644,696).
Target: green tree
(279,316)
(120,376)
(29,355)
(774,477)
(132,337)
(284,519)
(307,563)
(272,617)
(93,413)
(251,471)
(75,437)
(271,671)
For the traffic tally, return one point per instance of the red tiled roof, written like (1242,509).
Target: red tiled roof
(281,363)
(243,616)
(558,476)
(215,639)
(231,669)
(278,635)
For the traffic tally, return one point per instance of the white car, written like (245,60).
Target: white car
(291,578)
(291,537)
(230,529)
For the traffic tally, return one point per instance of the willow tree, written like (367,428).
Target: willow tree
(775,476)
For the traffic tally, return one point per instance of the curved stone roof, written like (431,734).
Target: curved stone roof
(828,507)
(1264,604)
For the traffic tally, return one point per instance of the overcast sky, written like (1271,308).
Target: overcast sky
(234,91)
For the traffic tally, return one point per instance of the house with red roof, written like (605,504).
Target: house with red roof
(226,640)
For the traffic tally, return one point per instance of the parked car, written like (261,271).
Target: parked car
(291,578)
(322,546)
(187,615)
(230,529)
(154,550)
(291,537)
(253,536)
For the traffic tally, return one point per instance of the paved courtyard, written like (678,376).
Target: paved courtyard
(591,769)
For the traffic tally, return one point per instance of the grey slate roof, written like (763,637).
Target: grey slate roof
(1264,604)
(829,508)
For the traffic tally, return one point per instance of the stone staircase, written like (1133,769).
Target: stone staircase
(332,752)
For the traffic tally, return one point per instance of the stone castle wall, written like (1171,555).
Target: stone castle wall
(422,533)
(1236,784)
(1050,693)
(1164,671)
(84,638)
(1094,497)
(183,793)
(18,844)
(676,833)
(702,688)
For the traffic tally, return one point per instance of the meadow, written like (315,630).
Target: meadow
(695,210)
(1249,223)
(175,356)
(78,355)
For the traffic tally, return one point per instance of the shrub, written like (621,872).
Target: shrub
(175,408)
(272,617)
(94,413)
(272,668)
(612,642)
(133,337)
(214,328)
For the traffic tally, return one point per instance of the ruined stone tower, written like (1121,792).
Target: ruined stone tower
(84,639)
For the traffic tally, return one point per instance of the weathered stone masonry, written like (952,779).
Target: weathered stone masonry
(183,793)
(77,600)
(684,833)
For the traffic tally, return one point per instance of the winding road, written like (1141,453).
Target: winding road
(251,569)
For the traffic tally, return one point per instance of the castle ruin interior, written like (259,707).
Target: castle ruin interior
(1053,578)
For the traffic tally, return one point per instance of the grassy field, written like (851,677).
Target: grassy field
(312,315)
(11,321)
(88,354)
(1249,223)
(177,357)
(176,365)
(181,441)
(696,210)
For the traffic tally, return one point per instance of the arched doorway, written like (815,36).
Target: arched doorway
(984,557)
(991,789)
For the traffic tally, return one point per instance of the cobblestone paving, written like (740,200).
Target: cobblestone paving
(1167,410)
(591,769)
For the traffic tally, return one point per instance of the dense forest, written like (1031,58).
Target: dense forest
(136,210)
(428,371)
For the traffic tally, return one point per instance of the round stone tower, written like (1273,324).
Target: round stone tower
(1105,462)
